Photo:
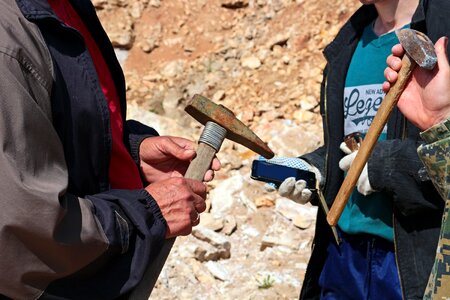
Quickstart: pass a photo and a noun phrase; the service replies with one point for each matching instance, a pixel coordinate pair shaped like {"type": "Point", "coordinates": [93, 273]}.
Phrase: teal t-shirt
{"type": "Point", "coordinates": [362, 97]}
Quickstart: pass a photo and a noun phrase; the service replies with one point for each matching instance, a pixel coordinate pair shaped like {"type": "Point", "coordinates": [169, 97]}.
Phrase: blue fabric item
{"type": "Point", "coordinates": [362, 267]}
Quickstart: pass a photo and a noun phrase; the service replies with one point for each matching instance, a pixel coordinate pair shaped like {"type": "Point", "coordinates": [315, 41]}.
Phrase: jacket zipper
{"type": "Point", "coordinates": [325, 111]}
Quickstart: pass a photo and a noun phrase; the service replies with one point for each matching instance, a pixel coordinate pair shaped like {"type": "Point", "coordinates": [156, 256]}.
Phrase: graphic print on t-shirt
{"type": "Point", "coordinates": [361, 103]}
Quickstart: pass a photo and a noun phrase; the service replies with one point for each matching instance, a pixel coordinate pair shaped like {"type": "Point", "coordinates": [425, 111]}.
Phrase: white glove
{"type": "Point", "coordinates": [363, 184]}
{"type": "Point", "coordinates": [290, 188]}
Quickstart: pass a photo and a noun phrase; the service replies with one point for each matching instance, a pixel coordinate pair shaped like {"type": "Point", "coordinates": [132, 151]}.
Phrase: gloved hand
{"type": "Point", "coordinates": [363, 185]}
{"type": "Point", "coordinates": [290, 188]}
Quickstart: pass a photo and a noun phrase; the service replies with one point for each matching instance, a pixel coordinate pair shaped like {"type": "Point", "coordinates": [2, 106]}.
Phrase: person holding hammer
{"type": "Point", "coordinates": [426, 103]}
{"type": "Point", "coordinates": [390, 226]}
{"type": "Point", "coordinates": [87, 198]}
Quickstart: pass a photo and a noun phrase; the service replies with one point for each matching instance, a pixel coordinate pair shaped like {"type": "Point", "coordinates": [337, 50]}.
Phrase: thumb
{"type": "Point", "coordinates": [176, 150]}
{"type": "Point", "coordinates": [346, 161]}
{"type": "Point", "coordinates": [441, 53]}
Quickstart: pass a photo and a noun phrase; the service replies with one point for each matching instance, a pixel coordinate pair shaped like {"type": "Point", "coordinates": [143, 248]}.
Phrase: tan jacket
{"type": "Point", "coordinates": [45, 234]}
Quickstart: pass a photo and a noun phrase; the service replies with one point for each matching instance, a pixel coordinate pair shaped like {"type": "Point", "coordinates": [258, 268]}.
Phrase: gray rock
{"type": "Point", "coordinates": [207, 235]}
{"type": "Point", "coordinates": [203, 251]}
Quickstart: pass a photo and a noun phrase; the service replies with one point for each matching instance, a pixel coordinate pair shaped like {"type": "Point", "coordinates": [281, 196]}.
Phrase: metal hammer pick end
{"type": "Point", "coordinates": [204, 110]}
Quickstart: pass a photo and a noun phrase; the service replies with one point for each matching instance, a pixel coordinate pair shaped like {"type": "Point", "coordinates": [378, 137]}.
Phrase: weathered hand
{"type": "Point", "coordinates": [181, 201]}
{"type": "Point", "coordinates": [426, 98]}
{"type": "Point", "coordinates": [163, 157]}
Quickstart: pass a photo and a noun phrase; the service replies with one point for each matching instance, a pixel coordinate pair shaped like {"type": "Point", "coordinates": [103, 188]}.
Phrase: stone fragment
{"type": "Point", "coordinates": [251, 62]}
{"type": "Point", "coordinates": [302, 222]}
{"type": "Point", "coordinates": [230, 225]}
{"type": "Point", "coordinates": [119, 32]}
{"type": "Point", "coordinates": [219, 95]}
{"type": "Point", "coordinates": [202, 274]}
{"type": "Point", "coordinates": [206, 252]}
{"type": "Point", "coordinates": [173, 68]}
{"type": "Point", "coordinates": [155, 3]}
{"type": "Point", "coordinates": [292, 211]}
{"type": "Point", "coordinates": [218, 270]}
{"type": "Point", "coordinates": [207, 235]}
{"type": "Point", "coordinates": [222, 197]}
{"type": "Point", "coordinates": [264, 201]}
{"type": "Point", "coordinates": [234, 4]}
{"type": "Point", "coordinates": [211, 222]}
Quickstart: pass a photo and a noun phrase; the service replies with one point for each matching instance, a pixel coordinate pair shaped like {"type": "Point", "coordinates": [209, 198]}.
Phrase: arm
{"type": "Point", "coordinates": [395, 168]}
{"type": "Point", "coordinates": [55, 233]}
{"type": "Point", "coordinates": [426, 103]}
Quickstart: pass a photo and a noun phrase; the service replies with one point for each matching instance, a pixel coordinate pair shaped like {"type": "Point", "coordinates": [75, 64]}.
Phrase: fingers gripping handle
{"type": "Point", "coordinates": [378, 123]}
{"type": "Point", "coordinates": [209, 143]}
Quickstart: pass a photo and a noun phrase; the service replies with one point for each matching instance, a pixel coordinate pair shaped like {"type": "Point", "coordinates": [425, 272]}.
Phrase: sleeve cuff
{"type": "Point", "coordinates": [437, 132]}
{"type": "Point", "coordinates": [135, 144]}
{"type": "Point", "coordinates": [137, 132]}
{"type": "Point", "coordinates": [152, 205]}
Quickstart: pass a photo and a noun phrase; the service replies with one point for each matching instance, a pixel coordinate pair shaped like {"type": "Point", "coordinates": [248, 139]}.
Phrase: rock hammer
{"type": "Point", "coordinates": [220, 123]}
{"type": "Point", "coordinates": [419, 52]}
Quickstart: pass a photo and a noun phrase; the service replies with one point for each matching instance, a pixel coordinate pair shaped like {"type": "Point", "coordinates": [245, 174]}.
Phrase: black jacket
{"type": "Point", "coordinates": [394, 166]}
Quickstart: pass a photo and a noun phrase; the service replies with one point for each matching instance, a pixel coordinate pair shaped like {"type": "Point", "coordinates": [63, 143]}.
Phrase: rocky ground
{"type": "Point", "coordinates": [263, 60]}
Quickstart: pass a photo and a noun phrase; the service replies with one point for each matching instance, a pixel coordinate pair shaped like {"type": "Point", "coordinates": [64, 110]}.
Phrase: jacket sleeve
{"type": "Point", "coordinates": [137, 132]}
{"type": "Point", "coordinates": [394, 167]}
{"type": "Point", "coordinates": [46, 233]}
{"type": "Point", "coordinates": [317, 159]}
{"type": "Point", "coordinates": [435, 154]}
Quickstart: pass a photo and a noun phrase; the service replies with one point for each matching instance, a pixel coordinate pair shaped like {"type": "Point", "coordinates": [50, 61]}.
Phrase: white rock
{"type": "Point", "coordinates": [211, 222]}
{"type": "Point", "coordinates": [218, 270]}
{"type": "Point", "coordinates": [251, 62]}
{"type": "Point", "coordinates": [219, 95]}
{"type": "Point", "coordinates": [222, 197]}
{"type": "Point", "coordinates": [250, 230]}
{"type": "Point", "coordinates": [173, 68]}
{"type": "Point", "coordinates": [291, 209]}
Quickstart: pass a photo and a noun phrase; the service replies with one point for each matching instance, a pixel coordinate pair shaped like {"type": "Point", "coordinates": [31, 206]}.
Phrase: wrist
{"type": "Point", "coordinates": [440, 119]}
{"type": "Point", "coordinates": [436, 132]}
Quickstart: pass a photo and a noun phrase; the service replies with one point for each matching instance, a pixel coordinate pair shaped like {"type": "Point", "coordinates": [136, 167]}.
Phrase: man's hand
{"type": "Point", "coordinates": [181, 201]}
{"type": "Point", "coordinates": [164, 157]}
{"type": "Point", "coordinates": [426, 98]}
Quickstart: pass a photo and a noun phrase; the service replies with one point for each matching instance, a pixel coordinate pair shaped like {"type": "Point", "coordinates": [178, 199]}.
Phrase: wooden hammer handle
{"type": "Point", "coordinates": [201, 163]}
{"type": "Point", "coordinates": [378, 123]}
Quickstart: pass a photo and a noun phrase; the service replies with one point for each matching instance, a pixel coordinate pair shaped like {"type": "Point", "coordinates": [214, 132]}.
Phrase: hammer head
{"type": "Point", "coordinates": [204, 110]}
{"type": "Point", "coordinates": [418, 46]}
